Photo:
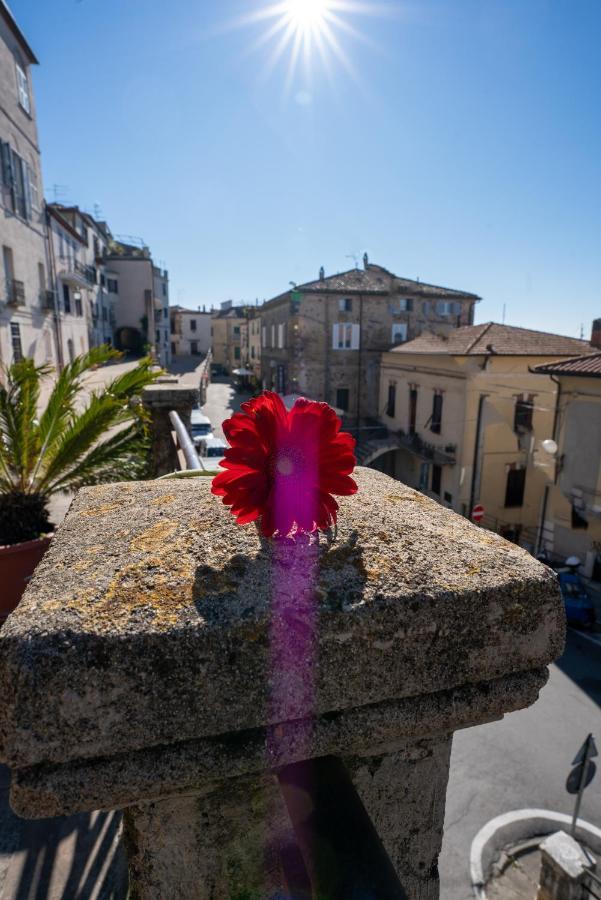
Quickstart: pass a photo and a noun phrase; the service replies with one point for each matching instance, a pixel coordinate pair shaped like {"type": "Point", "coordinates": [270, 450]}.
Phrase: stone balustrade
{"type": "Point", "coordinates": [160, 399]}
{"type": "Point", "coordinates": [165, 662]}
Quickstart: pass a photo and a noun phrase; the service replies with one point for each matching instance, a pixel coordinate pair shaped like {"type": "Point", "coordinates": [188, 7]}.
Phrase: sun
{"type": "Point", "coordinates": [301, 34]}
{"type": "Point", "coordinates": [307, 15]}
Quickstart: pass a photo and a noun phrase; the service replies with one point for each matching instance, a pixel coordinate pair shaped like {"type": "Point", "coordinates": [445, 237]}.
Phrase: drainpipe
{"type": "Point", "coordinates": [359, 364]}
{"type": "Point", "coordinates": [543, 512]}
{"type": "Point", "coordinates": [54, 282]}
{"type": "Point", "coordinates": [475, 462]}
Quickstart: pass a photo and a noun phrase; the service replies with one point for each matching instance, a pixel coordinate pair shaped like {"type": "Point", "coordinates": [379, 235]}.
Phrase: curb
{"type": "Point", "coordinates": [514, 827]}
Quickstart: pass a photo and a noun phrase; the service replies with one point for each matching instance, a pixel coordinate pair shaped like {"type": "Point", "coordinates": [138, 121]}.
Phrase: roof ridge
{"type": "Point", "coordinates": [480, 336]}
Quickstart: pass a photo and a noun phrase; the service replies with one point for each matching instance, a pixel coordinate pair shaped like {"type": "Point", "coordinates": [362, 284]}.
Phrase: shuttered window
{"type": "Point", "coordinates": [345, 336]}
{"type": "Point", "coordinates": [23, 88]}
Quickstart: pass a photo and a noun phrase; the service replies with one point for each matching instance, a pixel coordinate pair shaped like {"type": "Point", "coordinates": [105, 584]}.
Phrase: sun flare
{"type": "Point", "coordinates": [303, 34]}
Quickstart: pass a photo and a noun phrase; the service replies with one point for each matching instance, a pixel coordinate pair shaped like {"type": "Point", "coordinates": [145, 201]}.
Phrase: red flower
{"type": "Point", "coordinates": [283, 467]}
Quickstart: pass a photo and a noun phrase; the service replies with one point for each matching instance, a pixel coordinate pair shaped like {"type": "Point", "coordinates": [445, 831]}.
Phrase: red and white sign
{"type": "Point", "coordinates": [477, 513]}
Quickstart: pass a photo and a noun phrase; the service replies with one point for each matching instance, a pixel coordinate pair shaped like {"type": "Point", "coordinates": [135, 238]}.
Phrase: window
{"type": "Point", "coordinates": [78, 307]}
{"type": "Point", "coordinates": [264, 336]}
{"type": "Point", "coordinates": [41, 277]}
{"type": "Point", "coordinates": [34, 196]}
{"type": "Point", "coordinates": [66, 298]}
{"type": "Point", "coordinates": [112, 285]}
{"type": "Point", "coordinates": [514, 491]}
{"type": "Point", "coordinates": [236, 329]}
{"type": "Point", "coordinates": [522, 419]}
{"type": "Point", "coordinates": [20, 185]}
{"type": "Point", "coordinates": [252, 352]}
{"type": "Point", "coordinates": [391, 400]}
{"type": "Point", "coordinates": [164, 286]}
{"type": "Point", "coordinates": [399, 332]}
{"type": "Point", "coordinates": [192, 324]}
{"type": "Point", "coordinates": [412, 409]}
{"type": "Point", "coordinates": [272, 336]}
{"type": "Point", "coordinates": [342, 399]}
{"type": "Point", "coordinates": [236, 352]}
{"type": "Point", "coordinates": [578, 521]}
{"type": "Point", "coordinates": [23, 88]}
{"type": "Point", "coordinates": [345, 336]}
{"type": "Point", "coordinates": [345, 305]}
{"type": "Point", "coordinates": [103, 280]}
{"type": "Point", "coordinates": [15, 338]}
{"type": "Point", "coordinates": [448, 498]}
{"type": "Point", "coordinates": [448, 308]}
{"type": "Point", "coordinates": [104, 314]}
{"type": "Point", "coordinates": [9, 271]}
{"type": "Point", "coordinates": [165, 312]}
{"type": "Point", "coordinates": [281, 334]}
{"type": "Point", "coordinates": [436, 480]}
{"type": "Point", "coordinates": [157, 336]}
{"type": "Point", "coordinates": [436, 419]}
{"type": "Point", "coordinates": [405, 304]}
{"type": "Point", "coordinates": [194, 348]}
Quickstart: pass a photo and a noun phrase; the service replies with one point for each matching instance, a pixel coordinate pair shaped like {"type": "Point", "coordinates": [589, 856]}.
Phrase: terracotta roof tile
{"type": "Point", "coordinates": [589, 365]}
{"type": "Point", "coordinates": [377, 279]}
{"type": "Point", "coordinates": [502, 340]}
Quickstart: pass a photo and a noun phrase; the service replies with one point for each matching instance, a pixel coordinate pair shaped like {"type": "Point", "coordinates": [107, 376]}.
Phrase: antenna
{"type": "Point", "coordinates": [503, 316]}
{"type": "Point", "coordinates": [582, 331]}
{"type": "Point", "coordinates": [59, 191]}
{"type": "Point", "coordinates": [354, 257]}
{"type": "Point", "coordinates": [97, 211]}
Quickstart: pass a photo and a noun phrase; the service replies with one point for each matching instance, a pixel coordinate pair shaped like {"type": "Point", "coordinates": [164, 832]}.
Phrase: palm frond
{"type": "Point", "coordinates": [122, 457]}
{"type": "Point", "coordinates": [19, 428]}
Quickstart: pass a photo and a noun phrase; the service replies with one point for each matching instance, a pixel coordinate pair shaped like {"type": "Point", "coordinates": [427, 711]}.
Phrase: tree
{"type": "Point", "coordinates": [74, 441]}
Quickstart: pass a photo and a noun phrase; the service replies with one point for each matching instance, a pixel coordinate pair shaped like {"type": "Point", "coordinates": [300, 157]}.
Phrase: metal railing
{"type": "Point", "coordinates": [184, 442]}
{"type": "Point", "coordinates": [47, 300]}
{"type": "Point", "coordinates": [88, 272]}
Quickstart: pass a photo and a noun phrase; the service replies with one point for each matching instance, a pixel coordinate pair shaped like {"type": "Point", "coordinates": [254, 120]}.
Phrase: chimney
{"type": "Point", "coordinates": [596, 334]}
{"type": "Point", "coordinates": [365, 260]}
{"type": "Point", "coordinates": [322, 273]}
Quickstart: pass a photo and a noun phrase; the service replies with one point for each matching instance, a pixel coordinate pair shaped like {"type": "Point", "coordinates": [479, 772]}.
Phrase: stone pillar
{"type": "Point", "coordinates": [159, 399]}
{"type": "Point", "coordinates": [564, 867]}
{"type": "Point", "coordinates": [164, 662]}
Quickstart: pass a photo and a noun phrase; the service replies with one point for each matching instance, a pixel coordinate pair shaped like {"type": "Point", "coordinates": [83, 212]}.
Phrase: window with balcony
{"type": "Point", "coordinates": [436, 418]}
{"type": "Point", "coordinates": [345, 336]}
{"type": "Point", "coordinates": [23, 88]}
{"type": "Point", "coordinates": [514, 489]}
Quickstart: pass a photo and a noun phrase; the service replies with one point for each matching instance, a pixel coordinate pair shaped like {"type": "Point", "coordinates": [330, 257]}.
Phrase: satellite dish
{"type": "Point", "coordinates": [549, 446]}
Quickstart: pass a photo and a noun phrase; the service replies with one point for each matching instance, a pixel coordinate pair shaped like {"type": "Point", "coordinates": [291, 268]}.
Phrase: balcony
{"type": "Point", "coordinates": [88, 272]}
{"type": "Point", "coordinates": [15, 292]}
{"type": "Point", "coordinates": [370, 447]}
{"type": "Point", "coordinates": [48, 300]}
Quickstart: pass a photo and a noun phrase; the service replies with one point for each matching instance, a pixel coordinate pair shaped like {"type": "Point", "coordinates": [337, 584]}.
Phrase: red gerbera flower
{"type": "Point", "coordinates": [283, 467]}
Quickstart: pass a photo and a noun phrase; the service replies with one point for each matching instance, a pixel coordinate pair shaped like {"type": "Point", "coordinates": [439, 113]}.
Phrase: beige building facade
{"type": "Point", "coordinates": [27, 325]}
{"type": "Point", "coordinates": [324, 339]}
{"type": "Point", "coordinates": [229, 336]}
{"type": "Point", "coordinates": [190, 331]}
{"type": "Point", "coordinates": [466, 418]}
{"type": "Point", "coordinates": [571, 516]}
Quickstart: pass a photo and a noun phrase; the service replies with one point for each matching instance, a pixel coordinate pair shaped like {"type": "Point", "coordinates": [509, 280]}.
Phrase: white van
{"type": "Point", "coordinates": [200, 427]}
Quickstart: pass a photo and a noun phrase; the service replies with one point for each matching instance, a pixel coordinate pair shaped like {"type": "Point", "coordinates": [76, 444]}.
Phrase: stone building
{"type": "Point", "coordinates": [190, 331]}
{"type": "Point", "coordinates": [27, 326]}
{"type": "Point", "coordinates": [466, 418]}
{"type": "Point", "coordinates": [254, 346]}
{"type": "Point", "coordinates": [141, 300]}
{"type": "Point", "coordinates": [229, 336]}
{"type": "Point", "coordinates": [570, 523]}
{"type": "Point", "coordinates": [84, 306]}
{"type": "Point", "coordinates": [324, 339]}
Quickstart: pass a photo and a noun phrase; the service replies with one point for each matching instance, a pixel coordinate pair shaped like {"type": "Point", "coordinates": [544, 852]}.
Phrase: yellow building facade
{"type": "Point", "coordinates": [467, 417]}
{"type": "Point", "coordinates": [571, 519]}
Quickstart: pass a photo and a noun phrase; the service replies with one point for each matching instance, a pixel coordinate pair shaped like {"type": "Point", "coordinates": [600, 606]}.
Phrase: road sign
{"type": "Point", "coordinates": [477, 513]}
{"type": "Point", "coordinates": [575, 779]}
{"type": "Point", "coordinates": [582, 775]}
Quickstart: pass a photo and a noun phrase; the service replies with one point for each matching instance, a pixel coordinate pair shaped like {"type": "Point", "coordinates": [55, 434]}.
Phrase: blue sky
{"type": "Point", "coordinates": [464, 147]}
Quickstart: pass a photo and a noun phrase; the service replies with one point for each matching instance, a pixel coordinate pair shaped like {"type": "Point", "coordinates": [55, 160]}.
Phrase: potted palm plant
{"type": "Point", "coordinates": [76, 439]}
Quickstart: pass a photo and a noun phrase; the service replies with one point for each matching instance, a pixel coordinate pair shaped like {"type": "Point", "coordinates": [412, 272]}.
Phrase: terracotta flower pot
{"type": "Point", "coordinates": [17, 563]}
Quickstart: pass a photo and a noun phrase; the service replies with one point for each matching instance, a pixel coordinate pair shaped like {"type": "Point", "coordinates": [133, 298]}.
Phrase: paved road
{"type": "Point", "coordinates": [222, 401]}
{"type": "Point", "coordinates": [523, 761]}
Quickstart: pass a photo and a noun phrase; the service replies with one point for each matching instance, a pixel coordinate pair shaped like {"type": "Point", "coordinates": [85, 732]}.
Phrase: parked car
{"type": "Point", "coordinates": [211, 451]}
{"type": "Point", "coordinates": [578, 605]}
{"type": "Point", "coordinates": [200, 427]}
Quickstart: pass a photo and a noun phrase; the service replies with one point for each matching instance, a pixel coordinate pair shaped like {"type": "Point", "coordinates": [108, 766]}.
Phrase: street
{"type": "Point", "coordinates": [222, 401]}
{"type": "Point", "coordinates": [523, 760]}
